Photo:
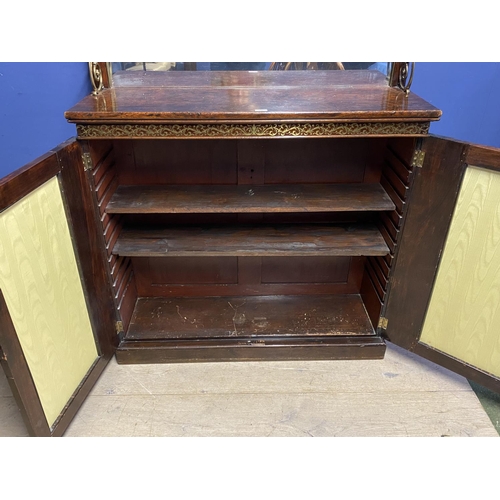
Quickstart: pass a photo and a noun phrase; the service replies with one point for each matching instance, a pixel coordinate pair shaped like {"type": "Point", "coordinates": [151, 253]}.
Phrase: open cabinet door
{"type": "Point", "coordinates": [444, 299]}
{"type": "Point", "coordinates": [57, 315]}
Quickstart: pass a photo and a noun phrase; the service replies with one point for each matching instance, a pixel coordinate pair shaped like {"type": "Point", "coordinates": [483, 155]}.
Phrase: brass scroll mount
{"type": "Point", "coordinates": [405, 77]}
{"type": "Point", "coordinates": [96, 77]}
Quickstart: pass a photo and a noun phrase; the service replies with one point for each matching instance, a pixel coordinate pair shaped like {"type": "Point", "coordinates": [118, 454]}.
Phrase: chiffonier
{"type": "Point", "coordinates": [260, 215]}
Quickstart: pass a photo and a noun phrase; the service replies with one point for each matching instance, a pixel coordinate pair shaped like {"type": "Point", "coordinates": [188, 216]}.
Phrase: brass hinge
{"type": "Point", "coordinates": [87, 161]}
{"type": "Point", "coordinates": [418, 158]}
{"type": "Point", "coordinates": [119, 327]}
{"type": "Point", "coordinates": [382, 323]}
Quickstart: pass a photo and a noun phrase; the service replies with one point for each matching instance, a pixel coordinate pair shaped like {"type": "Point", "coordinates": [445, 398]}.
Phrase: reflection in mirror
{"type": "Point", "coordinates": [383, 67]}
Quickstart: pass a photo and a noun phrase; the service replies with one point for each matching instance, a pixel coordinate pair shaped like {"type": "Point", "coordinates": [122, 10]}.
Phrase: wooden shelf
{"type": "Point", "coordinates": [276, 316]}
{"type": "Point", "coordinates": [252, 241]}
{"type": "Point", "coordinates": [249, 199]}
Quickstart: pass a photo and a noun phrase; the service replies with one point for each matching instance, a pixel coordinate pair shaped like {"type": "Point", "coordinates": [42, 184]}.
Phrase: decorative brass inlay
{"type": "Point", "coordinates": [252, 130]}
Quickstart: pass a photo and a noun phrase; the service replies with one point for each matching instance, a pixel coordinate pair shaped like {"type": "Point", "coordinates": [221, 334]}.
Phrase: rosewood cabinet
{"type": "Point", "coordinates": [231, 216]}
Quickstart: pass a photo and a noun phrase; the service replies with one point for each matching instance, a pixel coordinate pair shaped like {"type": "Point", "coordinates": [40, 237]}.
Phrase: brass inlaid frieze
{"type": "Point", "coordinates": [229, 130]}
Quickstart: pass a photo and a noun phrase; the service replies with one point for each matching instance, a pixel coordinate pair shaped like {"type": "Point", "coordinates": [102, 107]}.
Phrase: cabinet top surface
{"type": "Point", "coordinates": [251, 96]}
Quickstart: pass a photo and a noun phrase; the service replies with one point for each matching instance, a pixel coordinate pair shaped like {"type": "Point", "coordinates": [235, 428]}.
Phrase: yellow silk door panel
{"type": "Point", "coordinates": [463, 318]}
{"type": "Point", "coordinates": [41, 283]}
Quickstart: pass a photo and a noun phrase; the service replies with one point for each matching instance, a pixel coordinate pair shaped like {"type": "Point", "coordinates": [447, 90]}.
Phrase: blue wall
{"type": "Point", "coordinates": [34, 96]}
{"type": "Point", "coordinates": [33, 99]}
{"type": "Point", "coordinates": [468, 94]}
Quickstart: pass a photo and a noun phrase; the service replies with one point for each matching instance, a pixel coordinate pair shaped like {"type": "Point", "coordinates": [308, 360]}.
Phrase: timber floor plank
{"type": "Point", "coordinates": [304, 414]}
{"type": "Point", "coordinates": [401, 395]}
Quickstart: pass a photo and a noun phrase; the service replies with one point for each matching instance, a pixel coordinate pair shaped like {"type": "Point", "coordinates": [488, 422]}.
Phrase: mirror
{"type": "Point", "coordinates": [118, 67]}
{"type": "Point", "coordinates": [117, 74]}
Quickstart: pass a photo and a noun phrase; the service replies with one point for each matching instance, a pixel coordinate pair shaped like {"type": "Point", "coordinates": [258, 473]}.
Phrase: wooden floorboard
{"type": "Point", "coordinates": [401, 395]}
{"type": "Point", "coordinates": [398, 396]}
{"type": "Point", "coordinates": [235, 415]}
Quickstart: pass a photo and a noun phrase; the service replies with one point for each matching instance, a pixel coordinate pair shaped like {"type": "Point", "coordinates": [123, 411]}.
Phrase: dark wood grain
{"type": "Point", "coordinates": [257, 161]}
{"type": "Point", "coordinates": [379, 271]}
{"type": "Point", "coordinates": [317, 161]}
{"type": "Point", "coordinates": [341, 99]}
{"type": "Point", "coordinates": [192, 270]}
{"type": "Point", "coordinates": [106, 74]}
{"type": "Point", "coordinates": [396, 182]}
{"type": "Point", "coordinates": [389, 225]}
{"type": "Point", "coordinates": [245, 199]}
{"type": "Point", "coordinates": [394, 74]}
{"type": "Point", "coordinates": [471, 373]}
{"type": "Point", "coordinates": [251, 241]}
{"type": "Point", "coordinates": [402, 148]}
{"type": "Point", "coordinates": [127, 301]}
{"type": "Point", "coordinates": [211, 317]}
{"type": "Point", "coordinates": [371, 299]}
{"type": "Point", "coordinates": [384, 266]}
{"type": "Point", "coordinates": [300, 270]}
{"type": "Point", "coordinates": [483, 156]}
{"type": "Point", "coordinates": [99, 152]}
{"type": "Point", "coordinates": [24, 180]}
{"type": "Point", "coordinates": [103, 182]}
{"type": "Point", "coordinates": [252, 161]}
{"type": "Point", "coordinates": [102, 166]}
{"type": "Point", "coordinates": [297, 348]}
{"type": "Point", "coordinates": [150, 162]}
{"type": "Point", "coordinates": [397, 176]}
{"type": "Point", "coordinates": [227, 276]}
{"type": "Point", "coordinates": [389, 241]}
{"type": "Point", "coordinates": [90, 250]}
{"type": "Point", "coordinates": [122, 278]}
{"type": "Point", "coordinates": [393, 195]}
{"type": "Point", "coordinates": [433, 198]}
{"type": "Point", "coordinates": [102, 185]}
{"type": "Point", "coordinates": [376, 282]}
{"type": "Point", "coordinates": [228, 290]}
{"type": "Point", "coordinates": [377, 276]}
{"type": "Point", "coordinates": [397, 166]}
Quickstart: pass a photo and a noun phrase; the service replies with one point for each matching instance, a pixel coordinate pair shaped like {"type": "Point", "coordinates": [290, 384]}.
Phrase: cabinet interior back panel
{"type": "Point", "coordinates": [259, 161]}
{"type": "Point", "coordinates": [40, 280]}
{"type": "Point", "coordinates": [463, 318]}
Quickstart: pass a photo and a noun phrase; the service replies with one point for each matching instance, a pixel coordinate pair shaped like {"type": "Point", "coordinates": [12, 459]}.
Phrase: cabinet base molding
{"type": "Point", "coordinates": [310, 348]}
